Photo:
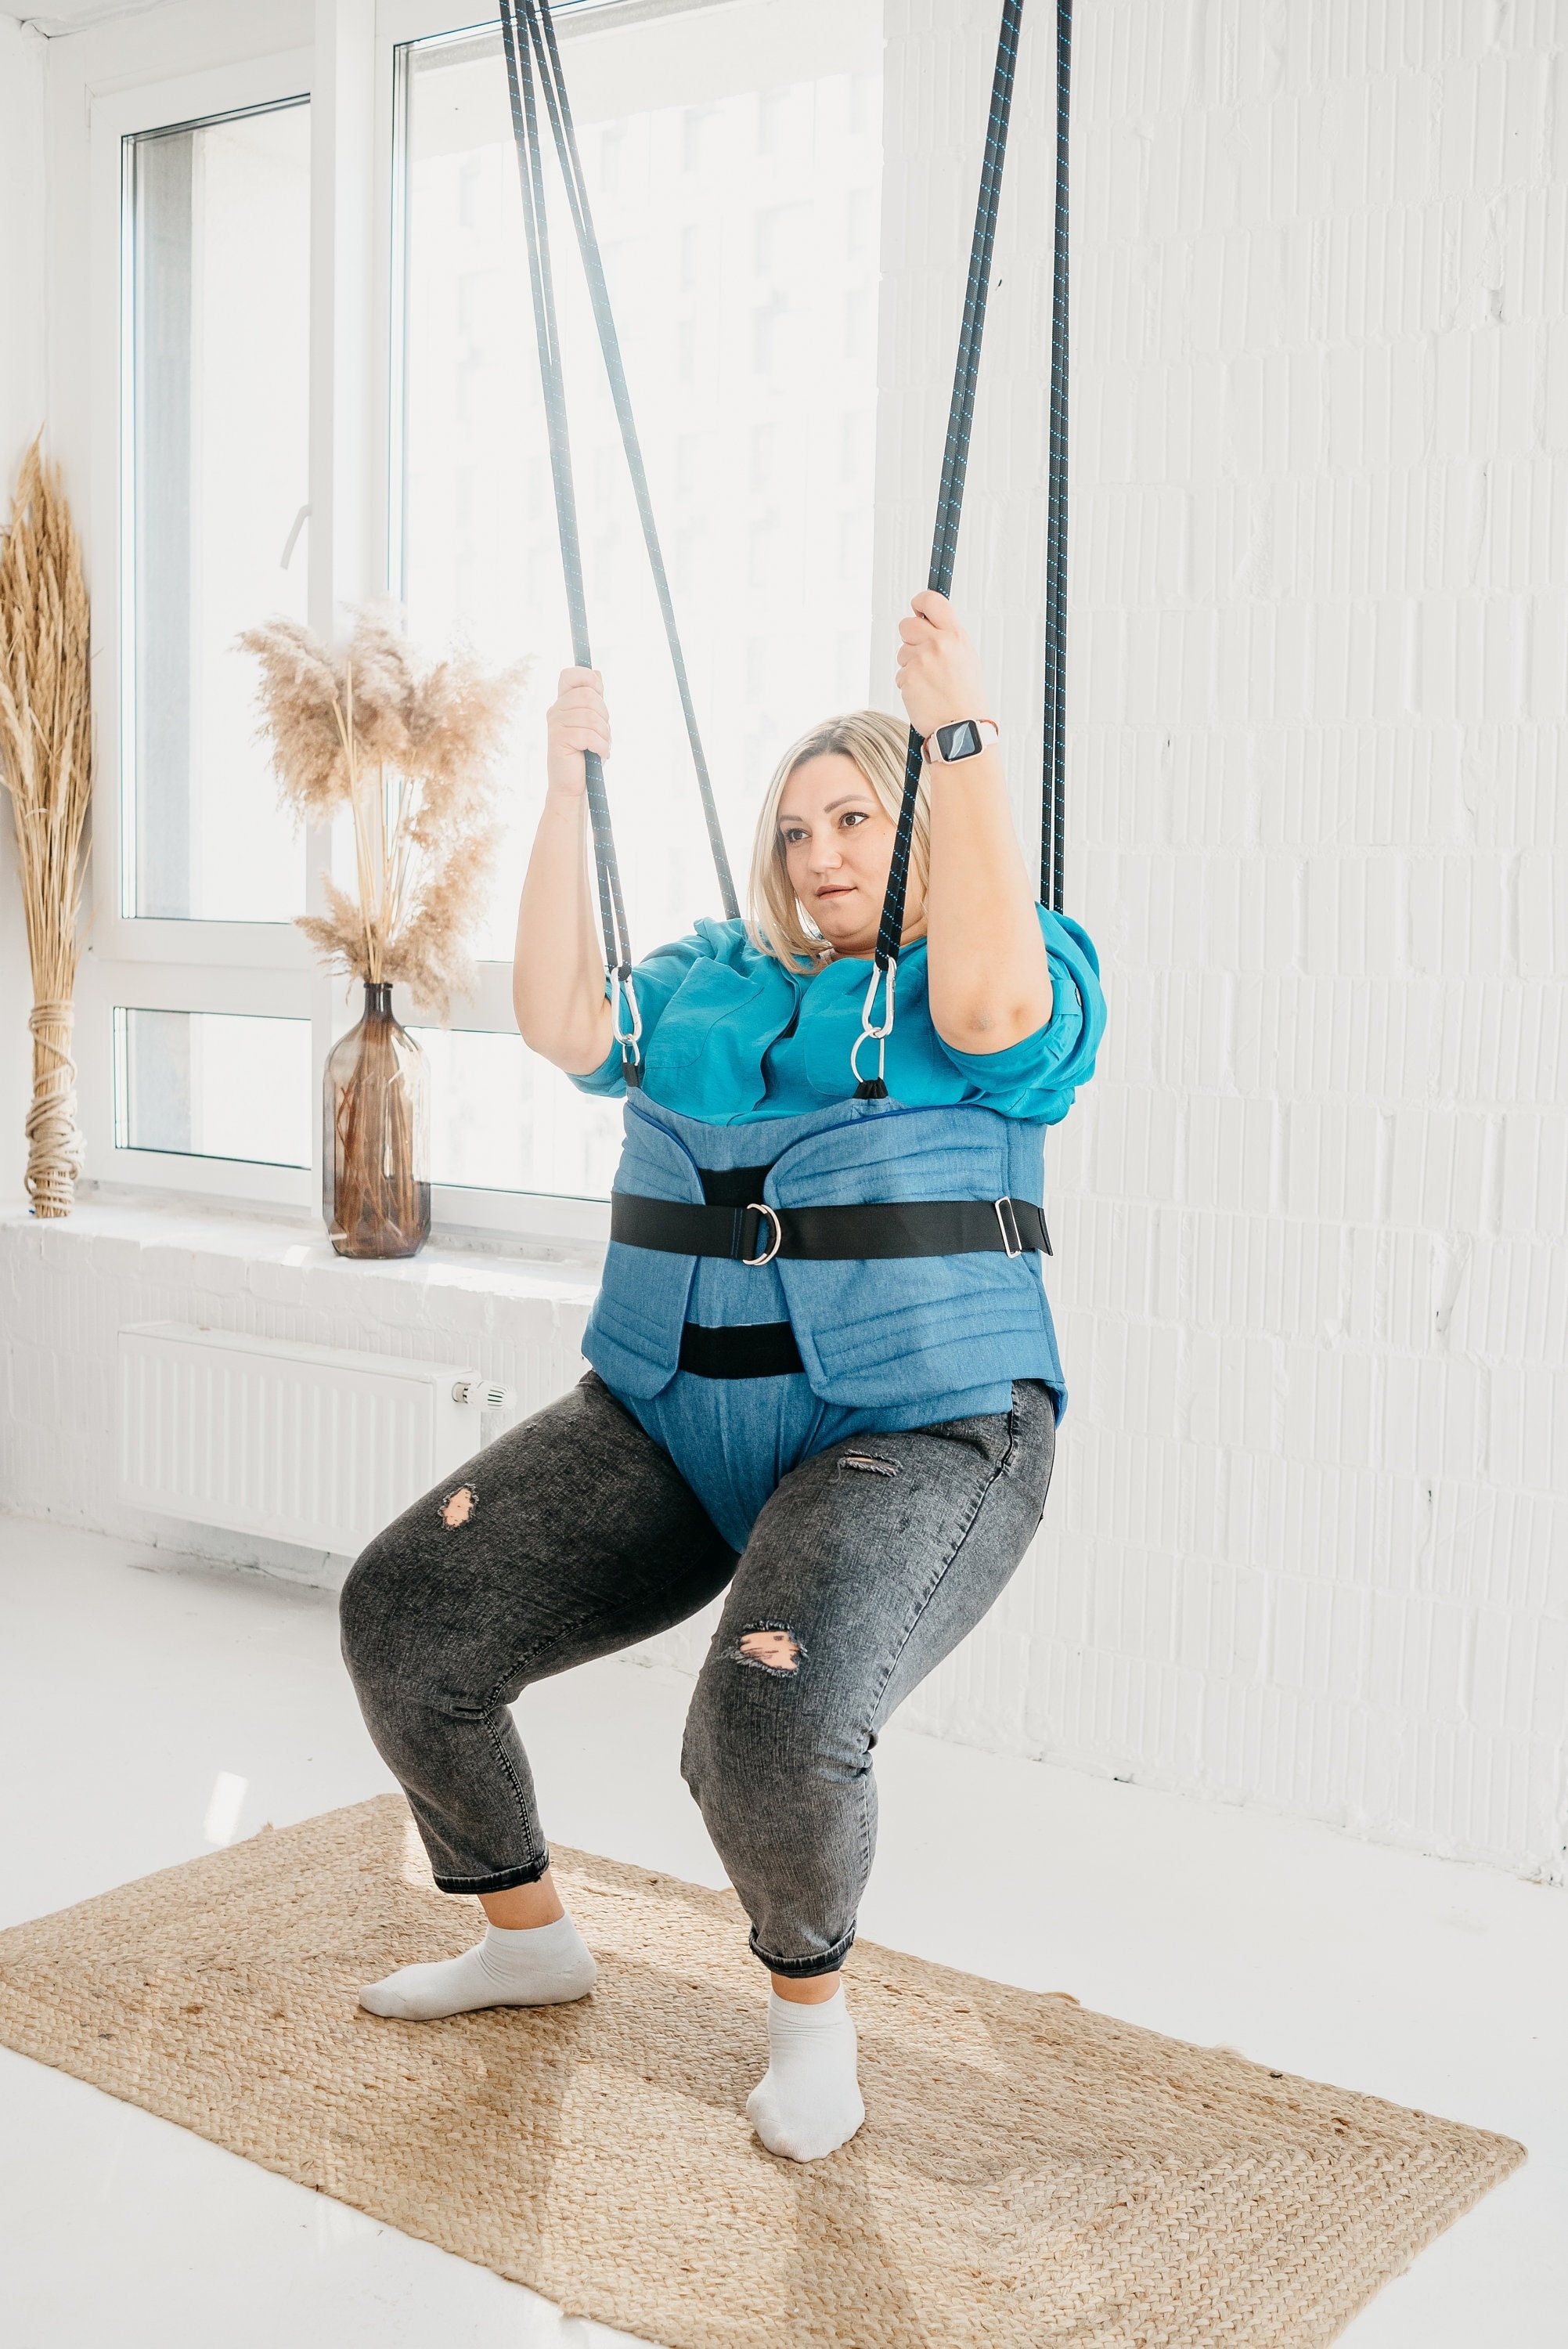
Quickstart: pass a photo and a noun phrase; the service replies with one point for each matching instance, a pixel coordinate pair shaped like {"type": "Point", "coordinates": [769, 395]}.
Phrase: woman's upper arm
{"type": "Point", "coordinates": [1037, 1077]}
{"type": "Point", "coordinates": [655, 980]}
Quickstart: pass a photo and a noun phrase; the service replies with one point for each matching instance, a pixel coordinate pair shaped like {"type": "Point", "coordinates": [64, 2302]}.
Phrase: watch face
{"type": "Point", "coordinates": [959, 741]}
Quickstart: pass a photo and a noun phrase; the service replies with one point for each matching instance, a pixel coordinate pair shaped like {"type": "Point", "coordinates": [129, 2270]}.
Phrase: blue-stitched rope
{"type": "Point", "coordinates": [1053, 780]}
{"type": "Point", "coordinates": [950, 496]}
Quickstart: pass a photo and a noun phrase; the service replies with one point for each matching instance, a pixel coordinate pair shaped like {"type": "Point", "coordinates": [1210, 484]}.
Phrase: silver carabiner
{"type": "Point", "coordinates": [870, 1032]}
{"type": "Point", "coordinates": [632, 1036]}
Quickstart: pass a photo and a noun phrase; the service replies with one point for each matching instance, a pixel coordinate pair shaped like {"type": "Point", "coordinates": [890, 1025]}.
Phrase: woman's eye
{"type": "Point", "coordinates": [853, 815]}
{"type": "Point", "coordinates": [792, 837]}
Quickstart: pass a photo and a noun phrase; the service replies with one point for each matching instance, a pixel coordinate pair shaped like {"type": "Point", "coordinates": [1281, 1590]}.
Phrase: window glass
{"type": "Point", "coordinates": [218, 283]}
{"type": "Point", "coordinates": [208, 1084]}
{"type": "Point", "coordinates": [734, 166]}
{"type": "Point", "coordinates": [503, 1120]}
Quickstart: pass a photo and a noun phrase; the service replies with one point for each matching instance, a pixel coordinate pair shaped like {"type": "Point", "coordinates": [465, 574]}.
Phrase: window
{"type": "Point", "coordinates": [733, 155]}
{"type": "Point", "coordinates": [205, 1084]}
{"type": "Point", "coordinates": [217, 392]}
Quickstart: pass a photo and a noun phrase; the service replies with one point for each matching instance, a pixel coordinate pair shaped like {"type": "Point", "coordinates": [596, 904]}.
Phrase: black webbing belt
{"type": "Point", "coordinates": [752, 1350]}
{"type": "Point", "coordinates": [756, 1234]}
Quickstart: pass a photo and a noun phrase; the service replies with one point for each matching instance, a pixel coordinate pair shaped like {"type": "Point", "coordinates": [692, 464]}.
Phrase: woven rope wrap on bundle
{"type": "Point", "coordinates": [53, 1137]}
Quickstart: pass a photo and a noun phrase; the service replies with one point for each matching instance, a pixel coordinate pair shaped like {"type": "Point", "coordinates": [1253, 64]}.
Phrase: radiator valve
{"type": "Point", "coordinates": [482, 1396]}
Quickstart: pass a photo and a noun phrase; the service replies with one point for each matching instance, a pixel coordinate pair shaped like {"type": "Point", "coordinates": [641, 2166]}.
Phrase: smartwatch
{"type": "Point", "coordinates": [965, 738]}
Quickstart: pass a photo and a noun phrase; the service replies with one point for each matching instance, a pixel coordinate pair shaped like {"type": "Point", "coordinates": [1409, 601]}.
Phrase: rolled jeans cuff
{"type": "Point", "coordinates": [802, 1969]}
{"type": "Point", "coordinates": [505, 1879]}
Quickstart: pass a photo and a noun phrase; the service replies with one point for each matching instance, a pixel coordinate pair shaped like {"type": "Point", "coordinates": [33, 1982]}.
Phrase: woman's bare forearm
{"type": "Point", "coordinates": [989, 982]}
{"type": "Point", "coordinates": [557, 976]}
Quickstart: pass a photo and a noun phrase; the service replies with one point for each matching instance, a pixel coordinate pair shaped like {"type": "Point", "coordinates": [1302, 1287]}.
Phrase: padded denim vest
{"type": "Point", "coordinates": [881, 1333]}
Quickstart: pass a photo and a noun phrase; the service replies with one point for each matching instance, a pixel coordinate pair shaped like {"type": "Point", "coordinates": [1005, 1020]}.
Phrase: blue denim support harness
{"type": "Point", "coordinates": [886, 1328]}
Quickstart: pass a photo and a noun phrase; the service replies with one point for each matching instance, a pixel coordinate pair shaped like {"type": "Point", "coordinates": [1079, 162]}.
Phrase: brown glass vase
{"type": "Point", "coordinates": [376, 1156]}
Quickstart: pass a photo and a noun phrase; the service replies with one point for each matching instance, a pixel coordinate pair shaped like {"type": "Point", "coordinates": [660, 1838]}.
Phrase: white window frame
{"type": "Point", "coordinates": [148, 964]}
{"type": "Point", "coordinates": [145, 964]}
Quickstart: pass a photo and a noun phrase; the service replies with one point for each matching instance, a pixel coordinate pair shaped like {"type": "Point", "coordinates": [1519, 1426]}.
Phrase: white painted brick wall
{"type": "Point", "coordinates": [66, 1289]}
{"type": "Point", "coordinates": [1309, 1541]}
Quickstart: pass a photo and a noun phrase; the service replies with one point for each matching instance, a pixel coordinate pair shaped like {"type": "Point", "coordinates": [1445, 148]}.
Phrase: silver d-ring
{"type": "Point", "coordinates": [760, 1207]}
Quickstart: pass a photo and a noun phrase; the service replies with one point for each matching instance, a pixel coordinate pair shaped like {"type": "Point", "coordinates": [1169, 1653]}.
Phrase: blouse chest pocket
{"type": "Point", "coordinates": [709, 994]}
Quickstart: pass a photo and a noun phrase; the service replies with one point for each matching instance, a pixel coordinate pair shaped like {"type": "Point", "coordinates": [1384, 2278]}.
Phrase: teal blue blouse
{"type": "Point", "coordinates": [730, 1035]}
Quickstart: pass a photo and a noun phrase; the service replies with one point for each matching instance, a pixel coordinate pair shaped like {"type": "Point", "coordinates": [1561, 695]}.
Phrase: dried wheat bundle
{"type": "Point", "coordinates": [408, 751]}
{"type": "Point", "coordinates": [45, 763]}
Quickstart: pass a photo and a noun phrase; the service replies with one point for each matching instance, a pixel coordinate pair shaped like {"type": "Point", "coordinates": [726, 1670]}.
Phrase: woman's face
{"type": "Point", "coordinates": [838, 846]}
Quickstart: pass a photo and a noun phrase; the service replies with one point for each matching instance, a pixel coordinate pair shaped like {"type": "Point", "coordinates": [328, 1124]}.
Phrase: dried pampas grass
{"type": "Point", "coordinates": [45, 763]}
{"type": "Point", "coordinates": [408, 751]}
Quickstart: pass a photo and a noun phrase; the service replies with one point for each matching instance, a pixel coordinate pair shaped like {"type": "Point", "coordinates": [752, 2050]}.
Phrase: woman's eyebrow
{"type": "Point", "coordinates": [844, 800]}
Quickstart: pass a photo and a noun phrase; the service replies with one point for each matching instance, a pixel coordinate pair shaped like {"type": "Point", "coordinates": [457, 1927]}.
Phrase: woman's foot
{"type": "Point", "coordinates": [808, 2103]}
{"type": "Point", "coordinates": [537, 1965]}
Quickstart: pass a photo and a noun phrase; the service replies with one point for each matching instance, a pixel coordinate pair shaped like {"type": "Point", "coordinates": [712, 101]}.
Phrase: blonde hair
{"type": "Point", "coordinates": [878, 745]}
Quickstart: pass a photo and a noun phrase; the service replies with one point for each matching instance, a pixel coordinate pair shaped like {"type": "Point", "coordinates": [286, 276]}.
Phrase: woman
{"type": "Point", "coordinates": [853, 1432]}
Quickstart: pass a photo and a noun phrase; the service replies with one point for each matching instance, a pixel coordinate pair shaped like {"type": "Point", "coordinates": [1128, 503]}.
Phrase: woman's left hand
{"type": "Point", "coordinates": [939, 675]}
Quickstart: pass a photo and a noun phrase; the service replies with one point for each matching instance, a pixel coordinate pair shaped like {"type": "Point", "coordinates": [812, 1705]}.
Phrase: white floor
{"type": "Point", "coordinates": [129, 1682]}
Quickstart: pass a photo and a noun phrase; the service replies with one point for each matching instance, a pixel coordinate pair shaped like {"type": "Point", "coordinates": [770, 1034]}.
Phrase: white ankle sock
{"type": "Point", "coordinates": [809, 2101]}
{"type": "Point", "coordinates": [529, 1965]}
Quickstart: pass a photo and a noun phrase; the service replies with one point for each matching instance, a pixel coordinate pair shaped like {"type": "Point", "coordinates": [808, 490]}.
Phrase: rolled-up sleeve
{"type": "Point", "coordinates": [1037, 1077]}
{"type": "Point", "coordinates": [656, 978]}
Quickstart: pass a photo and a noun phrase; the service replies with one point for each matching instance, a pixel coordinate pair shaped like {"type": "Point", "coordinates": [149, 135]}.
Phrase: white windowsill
{"type": "Point", "coordinates": [497, 1265]}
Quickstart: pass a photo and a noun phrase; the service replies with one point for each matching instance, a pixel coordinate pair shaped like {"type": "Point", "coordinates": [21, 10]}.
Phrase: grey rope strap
{"type": "Point", "coordinates": [558, 106]}
{"type": "Point", "coordinates": [1053, 781]}
{"type": "Point", "coordinates": [531, 174]}
{"type": "Point", "coordinates": [944, 537]}
{"type": "Point", "coordinates": [533, 63]}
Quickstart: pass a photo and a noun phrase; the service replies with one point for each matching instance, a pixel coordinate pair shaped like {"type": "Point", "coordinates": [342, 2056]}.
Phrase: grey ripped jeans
{"type": "Point", "coordinates": [574, 1535]}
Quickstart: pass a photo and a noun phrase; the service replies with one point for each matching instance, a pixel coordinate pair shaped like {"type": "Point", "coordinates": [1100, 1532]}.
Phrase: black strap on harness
{"type": "Point", "coordinates": [533, 63]}
{"type": "Point", "coordinates": [750, 1350]}
{"type": "Point", "coordinates": [757, 1233]}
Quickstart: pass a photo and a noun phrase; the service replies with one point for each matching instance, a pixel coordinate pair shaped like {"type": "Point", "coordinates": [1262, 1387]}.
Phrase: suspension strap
{"type": "Point", "coordinates": [525, 132]}
{"type": "Point", "coordinates": [1053, 780]}
{"type": "Point", "coordinates": [540, 26]}
{"type": "Point", "coordinates": [945, 538]}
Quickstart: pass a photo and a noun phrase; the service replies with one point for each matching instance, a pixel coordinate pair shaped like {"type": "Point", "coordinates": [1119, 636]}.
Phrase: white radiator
{"type": "Point", "coordinates": [304, 1443]}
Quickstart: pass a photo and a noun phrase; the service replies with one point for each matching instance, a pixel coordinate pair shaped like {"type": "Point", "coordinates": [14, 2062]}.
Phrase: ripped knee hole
{"type": "Point", "coordinates": [869, 1463]}
{"type": "Point", "coordinates": [770, 1647]}
{"type": "Point", "coordinates": [459, 1506]}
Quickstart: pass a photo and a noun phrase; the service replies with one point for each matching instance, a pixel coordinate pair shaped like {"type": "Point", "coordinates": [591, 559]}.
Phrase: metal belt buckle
{"type": "Point", "coordinates": [760, 1207]}
{"type": "Point", "coordinates": [1014, 1244]}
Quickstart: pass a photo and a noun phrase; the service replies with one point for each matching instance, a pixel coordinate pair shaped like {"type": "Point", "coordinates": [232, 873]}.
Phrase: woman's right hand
{"type": "Point", "coordinates": [576, 721]}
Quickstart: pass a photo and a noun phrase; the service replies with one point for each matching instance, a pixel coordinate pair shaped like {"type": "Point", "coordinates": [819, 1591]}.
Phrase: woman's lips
{"type": "Point", "coordinates": [839, 889]}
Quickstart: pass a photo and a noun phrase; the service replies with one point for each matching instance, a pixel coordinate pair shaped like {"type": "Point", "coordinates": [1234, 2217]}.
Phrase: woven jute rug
{"type": "Point", "coordinates": [1029, 2173]}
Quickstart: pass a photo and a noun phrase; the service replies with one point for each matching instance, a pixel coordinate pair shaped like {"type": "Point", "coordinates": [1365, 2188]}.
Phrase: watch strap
{"type": "Point", "coordinates": [966, 738]}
